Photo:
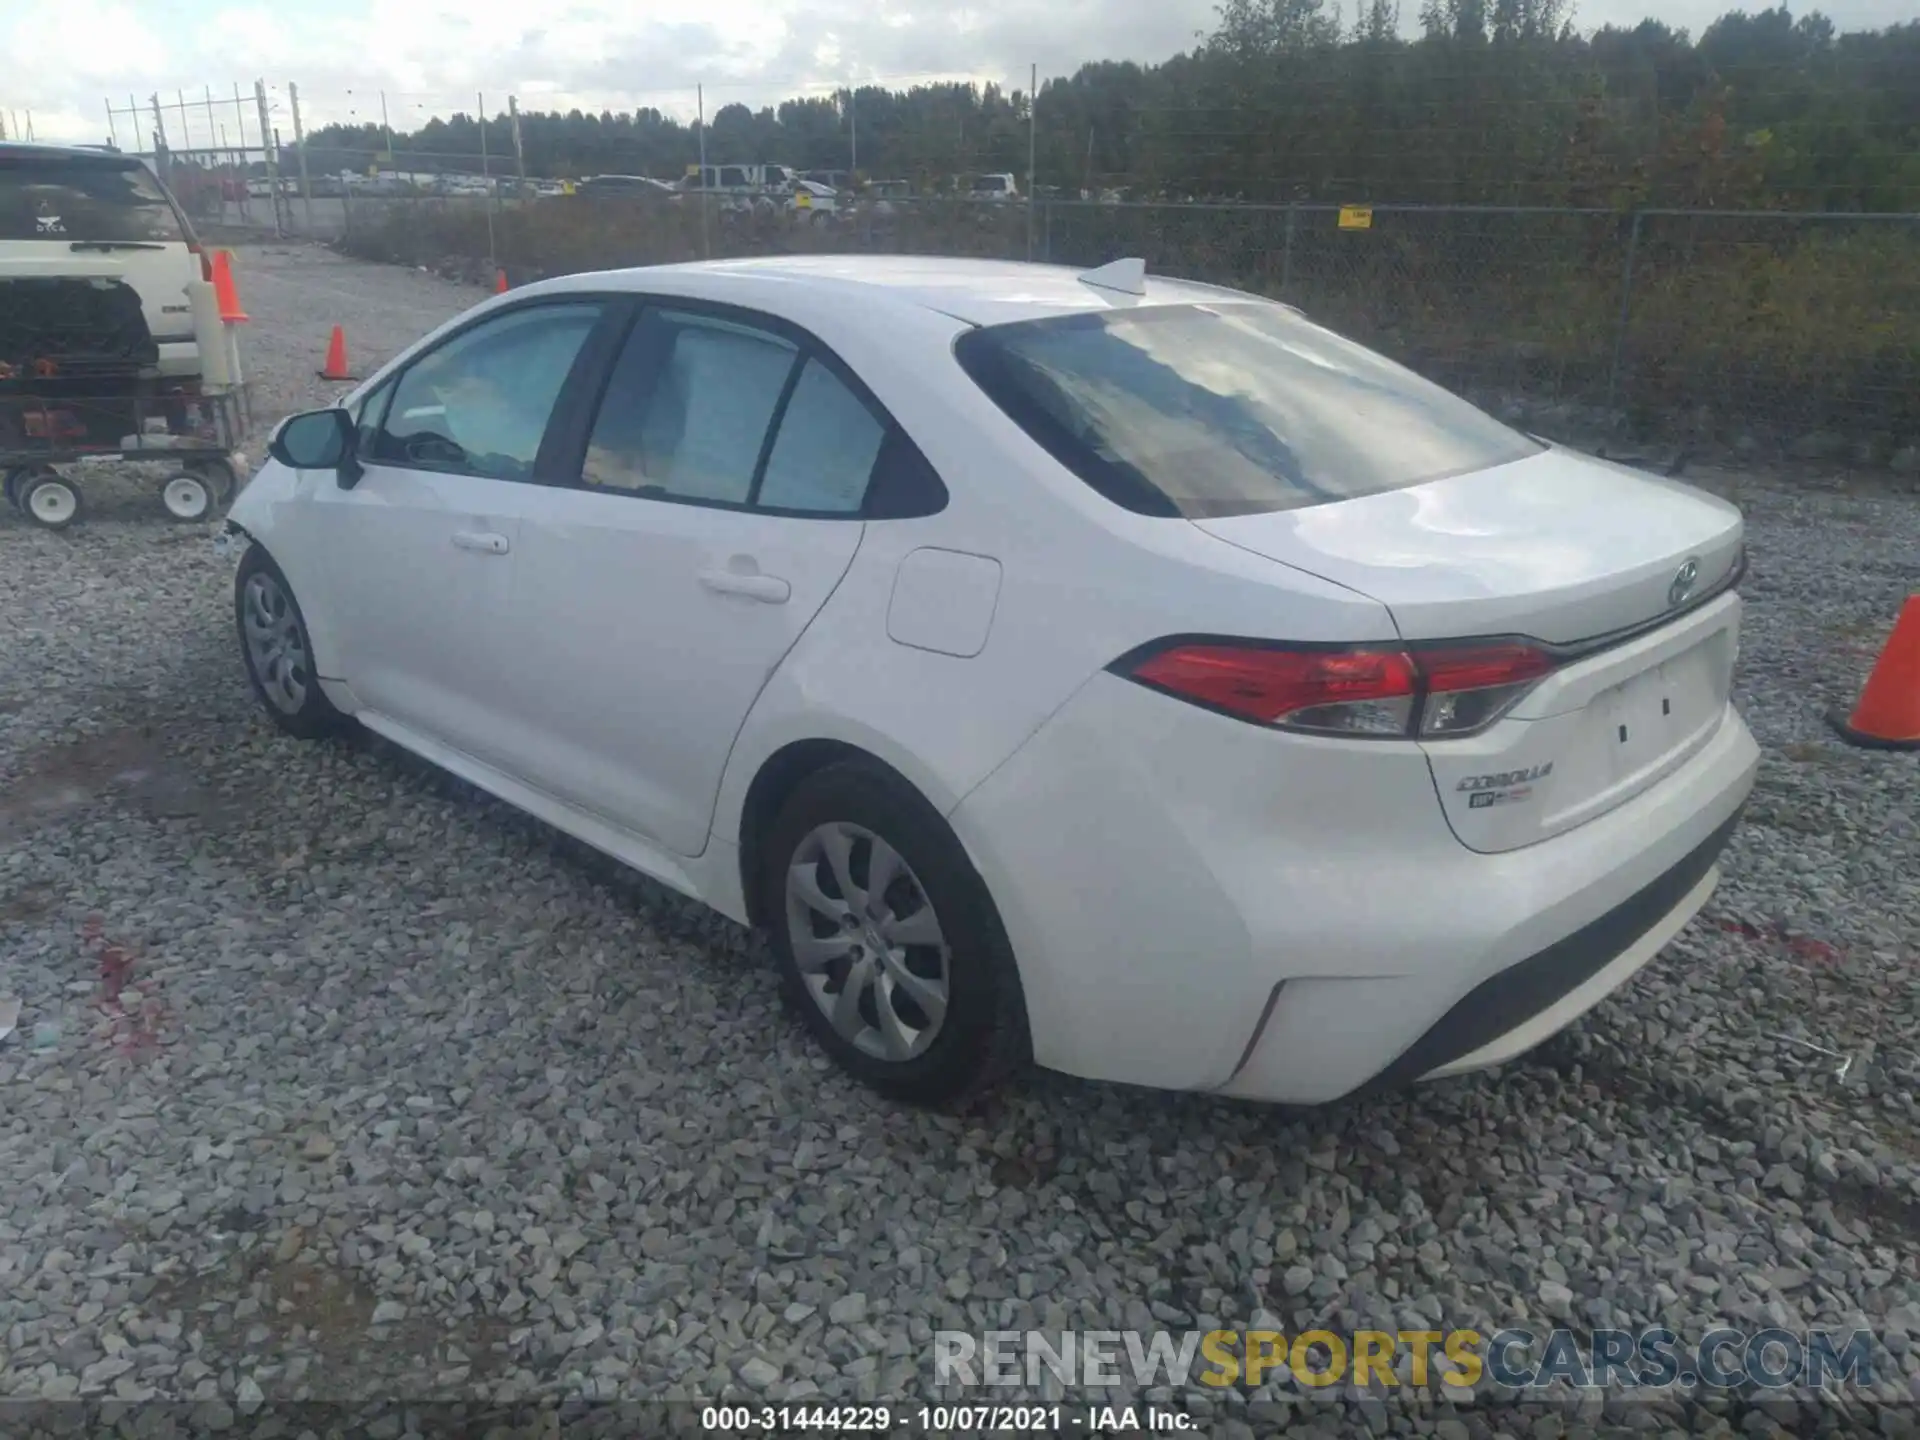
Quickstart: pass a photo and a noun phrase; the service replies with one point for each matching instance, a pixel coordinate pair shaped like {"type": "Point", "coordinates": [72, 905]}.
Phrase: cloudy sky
{"type": "Point", "coordinates": [432, 56]}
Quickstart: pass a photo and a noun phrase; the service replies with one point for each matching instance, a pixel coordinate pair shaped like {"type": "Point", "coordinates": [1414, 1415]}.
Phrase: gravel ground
{"type": "Point", "coordinates": [337, 1080]}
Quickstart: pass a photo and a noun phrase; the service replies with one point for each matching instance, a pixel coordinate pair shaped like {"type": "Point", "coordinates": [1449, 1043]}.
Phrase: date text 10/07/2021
{"type": "Point", "coordinates": [942, 1419]}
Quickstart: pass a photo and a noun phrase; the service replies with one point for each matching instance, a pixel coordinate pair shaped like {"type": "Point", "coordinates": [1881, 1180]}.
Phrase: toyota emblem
{"type": "Point", "coordinates": [1682, 584]}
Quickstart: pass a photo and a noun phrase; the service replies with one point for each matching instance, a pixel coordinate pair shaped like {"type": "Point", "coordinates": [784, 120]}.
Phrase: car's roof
{"type": "Point", "coordinates": [980, 292]}
{"type": "Point", "coordinates": [88, 154]}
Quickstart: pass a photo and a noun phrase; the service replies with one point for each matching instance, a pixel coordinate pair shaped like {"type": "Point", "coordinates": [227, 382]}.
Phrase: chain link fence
{"type": "Point", "coordinates": [1743, 332]}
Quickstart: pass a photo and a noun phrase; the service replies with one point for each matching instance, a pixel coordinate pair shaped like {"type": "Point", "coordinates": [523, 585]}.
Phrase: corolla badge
{"type": "Point", "coordinates": [1681, 586]}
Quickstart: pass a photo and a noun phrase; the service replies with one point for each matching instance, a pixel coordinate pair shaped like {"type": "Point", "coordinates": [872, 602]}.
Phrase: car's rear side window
{"type": "Point", "coordinates": [43, 199]}
{"type": "Point", "coordinates": [721, 406]}
{"type": "Point", "coordinates": [688, 408]}
{"type": "Point", "coordinates": [1227, 409]}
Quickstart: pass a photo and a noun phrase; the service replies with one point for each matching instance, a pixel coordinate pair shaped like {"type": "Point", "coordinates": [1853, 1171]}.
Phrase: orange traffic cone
{"type": "Point", "coordinates": [1888, 715]}
{"type": "Point", "coordinates": [499, 282]}
{"type": "Point", "coordinates": [223, 292]}
{"type": "Point", "coordinates": [336, 367]}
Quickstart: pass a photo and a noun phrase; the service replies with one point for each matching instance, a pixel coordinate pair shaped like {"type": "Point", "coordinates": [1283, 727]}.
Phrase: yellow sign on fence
{"type": "Point", "coordinates": [1356, 217]}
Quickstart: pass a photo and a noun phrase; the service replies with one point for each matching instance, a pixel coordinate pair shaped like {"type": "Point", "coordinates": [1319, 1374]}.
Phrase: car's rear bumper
{"type": "Point", "coordinates": [1509, 1013]}
{"type": "Point", "coordinates": [1197, 903]}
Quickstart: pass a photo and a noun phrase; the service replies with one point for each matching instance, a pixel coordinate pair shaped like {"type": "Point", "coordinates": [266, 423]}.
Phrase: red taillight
{"type": "Point", "coordinates": [1467, 687]}
{"type": "Point", "coordinates": [1430, 690]}
{"type": "Point", "coordinates": [1477, 667]}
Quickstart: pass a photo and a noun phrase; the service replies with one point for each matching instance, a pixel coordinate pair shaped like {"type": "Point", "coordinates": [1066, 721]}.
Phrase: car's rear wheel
{"type": "Point", "coordinates": [277, 650]}
{"type": "Point", "coordinates": [889, 946]}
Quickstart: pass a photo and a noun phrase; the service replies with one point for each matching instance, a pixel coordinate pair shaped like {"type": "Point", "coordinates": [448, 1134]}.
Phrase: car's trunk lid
{"type": "Point", "coordinates": [1615, 570]}
{"type": "Point", "coordinates": [1558, 546]}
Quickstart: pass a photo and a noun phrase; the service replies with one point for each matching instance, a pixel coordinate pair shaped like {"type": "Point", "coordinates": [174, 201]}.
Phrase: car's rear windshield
{"type": "Point", "coordinates": [42, 199]}
{"type": "Point", "coordinates": [1229, 409]}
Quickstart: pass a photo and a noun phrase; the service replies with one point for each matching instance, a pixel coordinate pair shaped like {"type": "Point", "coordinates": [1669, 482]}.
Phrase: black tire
{"type": "Point", "coordinates": [48, 499]}
{"type": "Point", "coordinates": [10, 485]}
{"type": "Point", "coordinates": [311, 716]}
{"type": "Point", "coordinates": [982, 1035]}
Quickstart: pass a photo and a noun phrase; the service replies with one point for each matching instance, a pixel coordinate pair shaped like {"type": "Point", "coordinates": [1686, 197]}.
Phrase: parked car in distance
{"type": "Point", "coordinates": [811, 199]}
{"type": "Point", "coordinates": [1120, 672]}
{"type": "Point", "coordinates": [991, 187]}
{"type": "Point", "coordinates": [81, 214]}
{"type": "Point", "coordinates": [743, 180]}
{"type": "Point", "coordinates": [629, 187]}
{"type": "Point", "coordinates": [882, 195]}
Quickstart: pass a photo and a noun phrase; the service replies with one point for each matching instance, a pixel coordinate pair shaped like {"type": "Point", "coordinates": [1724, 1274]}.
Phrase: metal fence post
{"type": "Point", "coordinates": [1626, 319]}
{"type": "Point", "coordinates": [299, 140]}
{"type": "Point", "coordinates": [1033, 124]}
{"type": "Point", "coordinates": [1286, 253]}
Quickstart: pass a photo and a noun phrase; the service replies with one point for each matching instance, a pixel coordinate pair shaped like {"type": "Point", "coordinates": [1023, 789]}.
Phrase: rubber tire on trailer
{"type": "Point", "coordinates": [316, 717]}
{"type": "Point", "coordinates": [182, 487]}
{"type": "Point", "coordinates": [218, 475]}
{"type": "Point", "coordinates": [15, 480]}
{"type": "Point", "coordinates": [49, 499]}
{"type": "Point", "coordinates": [983, 1037]}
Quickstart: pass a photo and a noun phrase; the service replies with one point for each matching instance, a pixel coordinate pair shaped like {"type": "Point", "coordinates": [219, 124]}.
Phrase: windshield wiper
{"type": "Point", "coordinates": [116, 245]}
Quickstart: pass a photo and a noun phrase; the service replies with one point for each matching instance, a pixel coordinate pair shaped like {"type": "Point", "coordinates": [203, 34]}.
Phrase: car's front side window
{"type": "Point", "coordinates": [480, 403]}
{"type": "Point", "coordinates": [366, 413]}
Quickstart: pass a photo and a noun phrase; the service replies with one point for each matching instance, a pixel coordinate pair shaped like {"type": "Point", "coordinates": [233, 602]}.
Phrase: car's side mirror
{"type": "Point", "coordinates": [318, 440]}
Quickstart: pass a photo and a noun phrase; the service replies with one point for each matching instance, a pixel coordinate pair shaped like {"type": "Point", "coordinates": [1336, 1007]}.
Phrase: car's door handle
{"type": "Point", "coordinates": [487, 542]}
{"type": "Point", "coordinates": [770, 589]}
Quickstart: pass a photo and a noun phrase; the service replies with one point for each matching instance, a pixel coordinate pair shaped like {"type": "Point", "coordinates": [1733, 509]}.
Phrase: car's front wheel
{"type": "Point", "coordinates": [277, 650]}
{"type": "Point", "coordinates": [890, 948]}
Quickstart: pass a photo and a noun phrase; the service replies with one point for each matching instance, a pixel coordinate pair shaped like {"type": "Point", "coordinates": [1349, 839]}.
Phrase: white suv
{"type": "Point", "coordinates": [77, 214]}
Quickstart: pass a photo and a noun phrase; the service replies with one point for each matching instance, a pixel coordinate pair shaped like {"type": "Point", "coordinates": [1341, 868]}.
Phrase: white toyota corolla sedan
{"type": "Point", "coordinates": [1116, 672]}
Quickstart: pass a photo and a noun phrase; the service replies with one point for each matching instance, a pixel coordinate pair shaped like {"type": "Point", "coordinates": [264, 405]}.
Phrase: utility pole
{"type": "Point", "coordinates": [300, 143]}
{"type": "Point", "coordinates": [159, 138]}
{"type": "Point", "coordinates": [113, 132]}
{"type": "Point", "coordinates": [240, 131]}
{"type": "Point", "coordinates": [186, 131]}
{"type": "Point", "coordinates": [700, 101]}
{"type": "Point", "coordinates": [1033, 110]}
{"type": "Point", "coordinates": [853, 131]}
{"type": "Point", "coordinates": [519, 149]}
{"type": "Point", "coordinates": [267, 144]}
{"type": "Point", "coordinates": [385, 128]}
{"type": "Point", "coordinates": [486, 181]}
